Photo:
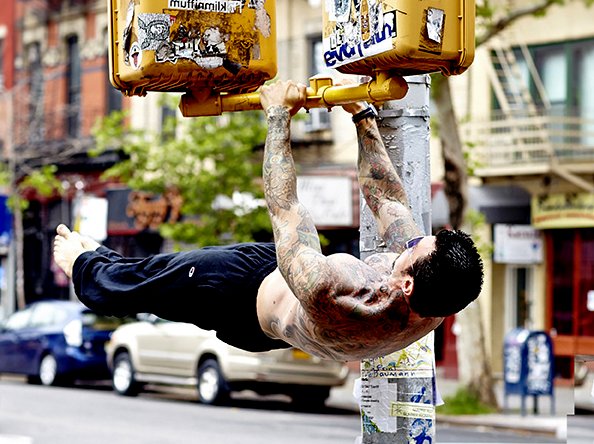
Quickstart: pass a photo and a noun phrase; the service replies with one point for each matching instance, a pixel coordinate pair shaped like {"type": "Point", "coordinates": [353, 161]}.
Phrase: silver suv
{"type": "Point", "coordinates": [172, 353]}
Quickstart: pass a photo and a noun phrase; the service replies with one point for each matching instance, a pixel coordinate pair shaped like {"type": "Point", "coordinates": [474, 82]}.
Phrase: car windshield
{"type": "Point", "coordinates": [99, 322]}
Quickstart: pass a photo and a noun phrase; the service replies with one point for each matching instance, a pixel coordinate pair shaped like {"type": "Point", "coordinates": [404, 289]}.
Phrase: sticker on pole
{"type": "Point", "coordinates": [397, 392]}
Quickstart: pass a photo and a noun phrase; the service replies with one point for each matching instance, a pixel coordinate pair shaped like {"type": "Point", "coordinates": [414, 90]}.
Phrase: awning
{"type": "Point", "coordinates": [501, 204]}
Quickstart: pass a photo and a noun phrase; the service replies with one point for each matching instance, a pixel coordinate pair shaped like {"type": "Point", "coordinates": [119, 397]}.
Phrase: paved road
{"type": "Point", "coordinates": [580, 428]}
{"type": "Point", "coordinates": [95, 415]}
{"type": "Point", "coordinates": [74, 415]}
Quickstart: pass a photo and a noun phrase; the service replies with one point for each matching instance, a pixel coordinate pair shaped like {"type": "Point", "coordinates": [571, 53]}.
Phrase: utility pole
{"type": "Point", "coordinates": [398, 390]}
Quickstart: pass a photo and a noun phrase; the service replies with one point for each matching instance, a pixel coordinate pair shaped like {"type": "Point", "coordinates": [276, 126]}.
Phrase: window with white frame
{"type": "Point", "coordinates": [318, 118]}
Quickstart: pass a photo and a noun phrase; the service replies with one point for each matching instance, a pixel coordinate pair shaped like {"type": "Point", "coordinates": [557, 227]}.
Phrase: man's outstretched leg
{"type": "Point", "coordinates": [214, 288]}
{"type": "Point", "coordinates": [68, 245]}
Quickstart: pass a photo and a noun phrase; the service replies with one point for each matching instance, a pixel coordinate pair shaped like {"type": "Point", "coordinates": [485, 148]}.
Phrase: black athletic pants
{"type": "Point", "coordinates": [214, 288]}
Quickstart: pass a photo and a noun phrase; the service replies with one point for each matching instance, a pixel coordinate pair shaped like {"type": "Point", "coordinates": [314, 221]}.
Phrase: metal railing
{"type": "Point", "coordinates": [49, 131]}
{"type": "Point", "coordinates": [529, 140]}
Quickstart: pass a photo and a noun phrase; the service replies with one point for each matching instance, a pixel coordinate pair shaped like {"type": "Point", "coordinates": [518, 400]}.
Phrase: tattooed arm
{"type": "Point", "coordinates": [318, 282]}
{"type": "Point", "coordinates": [297, 243]}
{"type": "Point", "coordinates": [381, 186]}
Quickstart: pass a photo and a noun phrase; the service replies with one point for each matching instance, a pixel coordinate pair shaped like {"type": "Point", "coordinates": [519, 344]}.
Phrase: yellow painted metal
{"type": "Point", "coordinates": [220, 51]}
{"type": "Point", "coordinates": [208, 46]}
{"type": "Point", "coordinates": [404, 36]}
{"type": "Point", "coordinates": [321, 93]}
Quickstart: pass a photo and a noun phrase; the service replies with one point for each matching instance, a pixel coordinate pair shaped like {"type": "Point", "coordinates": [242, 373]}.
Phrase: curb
{"type": "Point", "coordinates": [550, 426]}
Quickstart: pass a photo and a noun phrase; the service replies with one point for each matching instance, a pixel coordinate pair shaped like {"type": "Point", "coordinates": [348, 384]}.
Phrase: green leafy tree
{"type": "Point", "coordinates": [44, 182]}
{"type": "Point", "coordinates": [209, 160]}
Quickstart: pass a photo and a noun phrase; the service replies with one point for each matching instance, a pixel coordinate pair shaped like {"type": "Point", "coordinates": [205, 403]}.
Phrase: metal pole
{"type": "Point", "coordinates": [398, 391]}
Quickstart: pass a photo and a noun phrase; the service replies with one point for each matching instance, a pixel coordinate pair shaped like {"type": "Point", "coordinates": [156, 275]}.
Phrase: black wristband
{"type": "Point", "coordinates": [370, 111]}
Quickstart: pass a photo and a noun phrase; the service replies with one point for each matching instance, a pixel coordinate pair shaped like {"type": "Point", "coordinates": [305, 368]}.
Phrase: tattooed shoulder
{"type": "Point", "coordinates": [382, 262]}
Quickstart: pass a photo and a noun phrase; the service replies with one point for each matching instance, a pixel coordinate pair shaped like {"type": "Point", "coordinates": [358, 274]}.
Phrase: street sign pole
{"type": "Point", "coordinates": [398, 390]}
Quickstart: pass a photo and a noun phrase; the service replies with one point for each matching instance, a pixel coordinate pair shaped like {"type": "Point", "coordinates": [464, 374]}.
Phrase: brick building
{"type": "Point", "coordinates": [56, 87]}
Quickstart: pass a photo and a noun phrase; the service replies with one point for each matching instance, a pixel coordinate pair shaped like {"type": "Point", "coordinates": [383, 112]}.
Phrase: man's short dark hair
{"type": "Point", "coordinates": [447, 279]}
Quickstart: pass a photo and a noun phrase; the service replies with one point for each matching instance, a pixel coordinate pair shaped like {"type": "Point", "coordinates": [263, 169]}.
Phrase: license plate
{"type": "Point", "coordinates": [301, 355]}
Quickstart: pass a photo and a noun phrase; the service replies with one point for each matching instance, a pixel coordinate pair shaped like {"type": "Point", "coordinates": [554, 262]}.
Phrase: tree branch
{"type": "Point", "coordinates": [496, 27]}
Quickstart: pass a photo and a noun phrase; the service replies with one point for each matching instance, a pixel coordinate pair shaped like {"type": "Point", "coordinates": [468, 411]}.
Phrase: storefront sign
{"type": "Point", "coordinates": [517, 244]}
{"type": "Point", "coordinates": [563, 211]}
{"type": "Point", "coordinates": [132, 211]}
{"type": "Point", "coordinates": [329, 199]}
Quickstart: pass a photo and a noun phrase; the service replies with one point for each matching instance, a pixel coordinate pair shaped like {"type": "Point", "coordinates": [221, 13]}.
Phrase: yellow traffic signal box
{"type": "Point", "coordinates": [404, 37]}
{"type": "Point", "coordinates": [204, 46]}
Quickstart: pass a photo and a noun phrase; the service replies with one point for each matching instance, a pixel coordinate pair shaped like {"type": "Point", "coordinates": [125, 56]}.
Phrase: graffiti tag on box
{"type": "Point", "coordinates": [228, 7]}
{"type": "Point", "coordinates": [358, 29]}
{"type": "Point", "coordinates": [210, 33]}
{"type": "Point", "coordinates": [539, 365]}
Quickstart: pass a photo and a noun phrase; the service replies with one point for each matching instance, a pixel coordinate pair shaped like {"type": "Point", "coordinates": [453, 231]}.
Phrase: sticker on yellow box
{"type": "Point", "coordinates": [227, 7]}
{"type": "Point", "coordinates": [357, 30]}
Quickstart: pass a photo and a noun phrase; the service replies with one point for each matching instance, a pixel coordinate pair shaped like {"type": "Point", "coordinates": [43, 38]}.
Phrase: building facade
{"type": "Point", "coordinates": [56, 87]}
{"type": "Point", "coordinates": [530, 110]}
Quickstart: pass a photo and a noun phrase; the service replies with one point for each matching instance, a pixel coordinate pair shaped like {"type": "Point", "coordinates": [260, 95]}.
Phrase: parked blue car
{"type": "Point", "coordinates": [56, 342]}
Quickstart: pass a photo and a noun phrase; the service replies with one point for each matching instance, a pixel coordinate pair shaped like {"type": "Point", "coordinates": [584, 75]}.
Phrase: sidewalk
{"type": "Point", "coordinates": [544, 423]}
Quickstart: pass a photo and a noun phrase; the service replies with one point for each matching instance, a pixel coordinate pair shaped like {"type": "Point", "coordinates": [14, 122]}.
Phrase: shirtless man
{"type": "Point", "coordinates": [336, 307]}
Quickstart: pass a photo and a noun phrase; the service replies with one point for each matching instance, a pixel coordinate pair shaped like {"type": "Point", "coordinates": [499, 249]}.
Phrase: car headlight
{"type": "Point", "coordinates": [73, 333]}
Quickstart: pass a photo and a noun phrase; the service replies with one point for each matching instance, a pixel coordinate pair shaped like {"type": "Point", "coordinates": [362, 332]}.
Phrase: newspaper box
{"type": "Point", "coordinates": [404, 37]}
{"type": "Point", "coordinates": [528, 366]}
{"type": "Point", "coordinates": [199, 45]}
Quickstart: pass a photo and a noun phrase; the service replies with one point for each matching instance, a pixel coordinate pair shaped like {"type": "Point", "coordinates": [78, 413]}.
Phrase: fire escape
{"type": "Point", "coordinates": [51, 123]}
{"type": "Point", "coordinates": [525, 141]}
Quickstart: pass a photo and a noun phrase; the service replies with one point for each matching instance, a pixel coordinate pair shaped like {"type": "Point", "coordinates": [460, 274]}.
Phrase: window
{"type": "Point", "coordinates": [585, 100]}
{"type": "Point", "coordinates": [168, 121]}
{"type": "Point", "coordinates": [519, 297]}
{"type": "Point", "coordinates": [73, 81]}
{"type": "Point", "coordinates": [43, 315]}
{"type": "Point", "coordinates": [566, 70]}
{"type": "Point", "coordinates": [19, 320]}
{"type": "Point", "coordinates": [552, 68]}
{"type": "Point", "coordinates": [114, 96]}
{"type": "Point", "coordinates": [318, 118]}
{"type": "Point", "coordinates": [35, 78]}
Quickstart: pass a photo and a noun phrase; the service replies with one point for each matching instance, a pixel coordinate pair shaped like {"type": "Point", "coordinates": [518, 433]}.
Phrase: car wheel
{"type": "Point", "coordinates": [48, 370]}
{"type": "Point", "coordinates": [212, 387]}
{"type": "Point", "coordinates": [310, 397]}
{"type": "Point", "coordinates": [123, 379]}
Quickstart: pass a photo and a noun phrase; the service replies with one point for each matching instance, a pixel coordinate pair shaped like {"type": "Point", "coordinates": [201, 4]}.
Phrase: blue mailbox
{"type": "Point", "coordinates": [528, 366]}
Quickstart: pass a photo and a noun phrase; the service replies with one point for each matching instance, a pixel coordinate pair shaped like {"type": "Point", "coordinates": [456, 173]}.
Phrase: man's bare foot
{"type": "Point", "coordinates": [68, 245]}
